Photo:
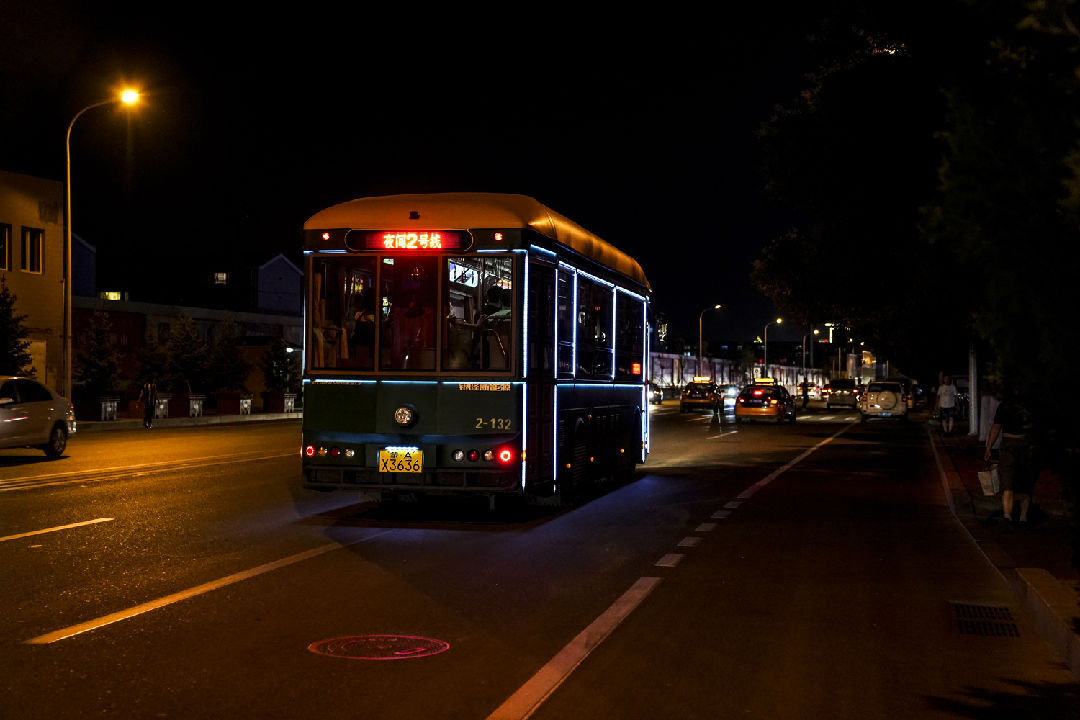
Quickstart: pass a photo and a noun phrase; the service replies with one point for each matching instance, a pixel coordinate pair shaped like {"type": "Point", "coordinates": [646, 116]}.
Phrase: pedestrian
{"type": "Point", "coordinates": [1016, 467]}
{"type": "Point", "coordinates": [946, 404]}
{"type": "Point", "coordinates": [148, 395]}
{"type": "Point", "coordinates": [805, 393]}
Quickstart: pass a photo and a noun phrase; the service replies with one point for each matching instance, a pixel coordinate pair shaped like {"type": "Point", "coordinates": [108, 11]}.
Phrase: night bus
{"type": "Point", "coordinates": [470, 343]}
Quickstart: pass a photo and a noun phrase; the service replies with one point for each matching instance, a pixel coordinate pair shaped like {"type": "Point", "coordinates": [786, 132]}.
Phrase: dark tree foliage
{"type": "Point", "coordinates": [97, 365]}
{"type": "Point", "coordinates": [14, 347]}
{"type": "Point", "coordinates": [937, 150]}
{"type": "Point", "coordinates": [188, 358]}
{"type": "Point", "coordinates": [281, 368]}
{"type": "Point", "coordinates": [227, 368]}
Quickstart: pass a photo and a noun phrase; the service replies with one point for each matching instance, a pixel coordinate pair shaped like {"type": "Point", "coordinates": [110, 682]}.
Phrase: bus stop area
{"type": "Point", "coordinates": [1035, 561]}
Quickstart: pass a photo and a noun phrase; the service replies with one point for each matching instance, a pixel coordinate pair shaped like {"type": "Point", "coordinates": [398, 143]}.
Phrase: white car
{"type": "Point", "coordinates": [31, 415]}
{"type": "Point", "coordinates": [883, 399]}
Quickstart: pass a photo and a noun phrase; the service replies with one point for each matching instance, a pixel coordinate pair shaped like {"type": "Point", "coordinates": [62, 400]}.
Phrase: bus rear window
{"type": "Point", "coordinates": [478, 302]}
{"type": "Point", "coordinates": [383, 313]}
{"type": "Point", "coordinates": [343, 314]}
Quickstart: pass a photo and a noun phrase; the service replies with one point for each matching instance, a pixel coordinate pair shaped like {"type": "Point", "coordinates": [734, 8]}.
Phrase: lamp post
{"type": "Point", "coordinates": [815, 331]}
{"type": "Point", "coordinates": [699, 341]}
{"type": "Point", "coordinates": [765, 346]}
{"type": "Point", "coordinates": [127, 97]}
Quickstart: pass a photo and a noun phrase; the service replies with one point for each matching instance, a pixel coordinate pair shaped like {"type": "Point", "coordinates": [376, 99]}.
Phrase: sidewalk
{"type": "Point", "coordinates": [210, 419]}
{"type": "Point", "coordinates": [1035, 562]}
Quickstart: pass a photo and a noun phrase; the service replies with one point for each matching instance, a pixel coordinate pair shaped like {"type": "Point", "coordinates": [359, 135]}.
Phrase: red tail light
{"type": "Point", "coordinates": [505, 455]}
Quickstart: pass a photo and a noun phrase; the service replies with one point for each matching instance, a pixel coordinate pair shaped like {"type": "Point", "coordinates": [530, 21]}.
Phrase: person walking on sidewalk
{"type": "Point", "coordinates": [946, 404]}
{"type": "Point", "coordinates": [148, 395]}
{"type": "Point", "coordinates": [1016, 468]}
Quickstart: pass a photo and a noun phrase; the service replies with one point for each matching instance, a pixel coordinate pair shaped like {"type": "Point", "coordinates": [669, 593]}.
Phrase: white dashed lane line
{"type": "Point", "coordinates": [530, 696]}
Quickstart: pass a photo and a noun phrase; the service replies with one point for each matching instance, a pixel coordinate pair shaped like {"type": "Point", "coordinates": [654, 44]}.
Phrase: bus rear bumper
{"type": "Point", "coordinates": [438, 481]}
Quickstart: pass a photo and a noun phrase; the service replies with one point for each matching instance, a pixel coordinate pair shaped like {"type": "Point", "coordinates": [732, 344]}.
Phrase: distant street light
{"type": "Point", "coordinates": [127, 97]}
{"type": "Point", "coordinates": [815, 332]}
{"type": "Point", "coordinates": [699, 341]}
{"type": "Point", "coordinates": [765, 345]}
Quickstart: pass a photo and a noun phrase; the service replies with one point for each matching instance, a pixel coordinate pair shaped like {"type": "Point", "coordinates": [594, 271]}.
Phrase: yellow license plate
{"type": "Point", "coordinates": [411, 461]}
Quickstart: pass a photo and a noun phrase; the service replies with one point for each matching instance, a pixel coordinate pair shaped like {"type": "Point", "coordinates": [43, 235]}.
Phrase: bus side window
{"type": "Point", "coordinates": [629, 337]}
{"type": "Point", "coordinates": [564, 323]}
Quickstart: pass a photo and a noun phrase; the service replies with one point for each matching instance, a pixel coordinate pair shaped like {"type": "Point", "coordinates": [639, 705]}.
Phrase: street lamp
{"type": "Point", "coordinates": [699, 341]}
{"type": "Point", "coordinates": [765, 346]}
{"type": "Point", "coordinates": [815, 331]}
{"type": "Point", "coordinates": [127, 97]}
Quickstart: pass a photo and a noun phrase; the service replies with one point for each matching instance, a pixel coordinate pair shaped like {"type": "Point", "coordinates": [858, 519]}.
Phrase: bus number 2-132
{"type": "Point", "coordinates": [492, 423]}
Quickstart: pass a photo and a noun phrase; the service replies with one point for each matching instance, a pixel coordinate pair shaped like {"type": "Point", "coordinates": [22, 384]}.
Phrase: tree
{"type": "Point", "coordinates": [989, 246]}
{"type": "Point", "coordinates": [281, 369]}
{"type": "Point", "coordinates": [227, 368]}
{"type": "Point", "coordinates": [14, 347]}
{"type": "Point", "coordinates": [97, 364]}
{"type": "Point", "coordinates": [187, 356]}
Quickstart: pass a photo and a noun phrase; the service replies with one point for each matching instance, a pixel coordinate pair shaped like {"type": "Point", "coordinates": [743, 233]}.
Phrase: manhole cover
{"type": "Point", "coordinates": [379, 647]}
{"type": "Point", "coordinates": [987, 620]}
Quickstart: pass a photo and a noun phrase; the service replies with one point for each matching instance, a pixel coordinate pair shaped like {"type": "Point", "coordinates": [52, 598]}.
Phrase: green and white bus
{"type": "Point", "coordinates": [470, 343]}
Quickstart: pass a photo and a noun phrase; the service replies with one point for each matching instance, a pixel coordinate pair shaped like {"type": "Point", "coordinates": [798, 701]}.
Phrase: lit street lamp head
{"type": "Point", "coordinates": [129, 96]}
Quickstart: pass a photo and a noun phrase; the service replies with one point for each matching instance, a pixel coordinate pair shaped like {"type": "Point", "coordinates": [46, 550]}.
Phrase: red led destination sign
{"type": "Point", "coordinates": [414, 240]}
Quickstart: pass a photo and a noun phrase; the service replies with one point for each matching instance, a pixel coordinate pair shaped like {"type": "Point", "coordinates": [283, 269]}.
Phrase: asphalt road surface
{"type": "Point", "coordinates": [796, 571]}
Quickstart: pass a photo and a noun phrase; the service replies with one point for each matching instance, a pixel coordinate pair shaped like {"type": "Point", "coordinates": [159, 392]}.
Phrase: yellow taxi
{"type": "Point", "coordinates": [765, 400]}
{"type": "Point", "coordinates": [701, 394]}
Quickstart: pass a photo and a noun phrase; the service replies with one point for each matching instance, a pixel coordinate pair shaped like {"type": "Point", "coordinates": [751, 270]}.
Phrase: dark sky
{"type": "Point", "coordinates": [639, 128]}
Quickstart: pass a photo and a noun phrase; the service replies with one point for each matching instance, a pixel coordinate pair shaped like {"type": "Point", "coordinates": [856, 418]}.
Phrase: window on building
{"type": "Point", "coordinates": [221, 278]}
{"type": "Point", "coordinates": [5, 247]}
{"type": "Point", "coordinates": [31, 249]}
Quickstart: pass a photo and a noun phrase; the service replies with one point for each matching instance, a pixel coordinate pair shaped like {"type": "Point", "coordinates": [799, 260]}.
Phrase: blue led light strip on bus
{"type": "Point", "coordinates": [555, 396]}
{"type": "Point", "coordinates": [614, 313]}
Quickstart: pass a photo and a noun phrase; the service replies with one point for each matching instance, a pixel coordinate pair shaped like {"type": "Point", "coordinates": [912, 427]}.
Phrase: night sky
{"type": "Point", "coordinates": [639, 128]}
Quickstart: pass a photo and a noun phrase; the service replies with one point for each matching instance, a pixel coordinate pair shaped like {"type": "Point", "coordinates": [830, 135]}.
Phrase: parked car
{"type": "Point", "coordinates": [884, 400]}
{"type": "Point", "coordinates": [842, 392]}
{"type": "Point", "coordinates": [656, 395]}
{"type": "Point", "coordinates": [31, 415]}
{"type": "Point", "coordinates": [765, 402]}
{"type": "Point", "coordinates": [700, 395]}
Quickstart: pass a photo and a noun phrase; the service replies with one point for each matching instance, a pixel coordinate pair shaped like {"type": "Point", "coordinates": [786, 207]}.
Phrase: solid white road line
{"type": "Point", "coordinates": [75, 476]}
{"type": "Point", "coordinates": [54, 529]}
{"type": "Point", "coordinates": [531, 695]}
{"type": "Point", "coordinates": [189, 593]}
{"type": "Point", "coordinates": [749, 492]}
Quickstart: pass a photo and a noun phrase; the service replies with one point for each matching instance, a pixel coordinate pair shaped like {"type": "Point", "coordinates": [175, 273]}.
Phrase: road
{"type": "Point", "coordinates": [798, 571]}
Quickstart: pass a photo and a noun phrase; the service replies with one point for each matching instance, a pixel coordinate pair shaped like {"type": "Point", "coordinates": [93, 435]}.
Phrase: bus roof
{"type": "Point", "coordinates": [463, 211]}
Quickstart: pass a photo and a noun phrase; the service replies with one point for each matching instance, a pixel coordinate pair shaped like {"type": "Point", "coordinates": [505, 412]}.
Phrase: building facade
{"type": "Point", "coordinates": [32, 263]}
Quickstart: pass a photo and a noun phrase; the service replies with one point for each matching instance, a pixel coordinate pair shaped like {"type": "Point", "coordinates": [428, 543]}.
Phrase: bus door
{"type": "Point", "coordinates": [540, 375]}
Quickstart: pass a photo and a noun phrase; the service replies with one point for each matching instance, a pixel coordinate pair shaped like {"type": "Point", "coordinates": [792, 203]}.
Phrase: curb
{"type": "Point", "coordinates": [84, 426]}
{"type": "Point", "coordinates": [1040, 595]}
